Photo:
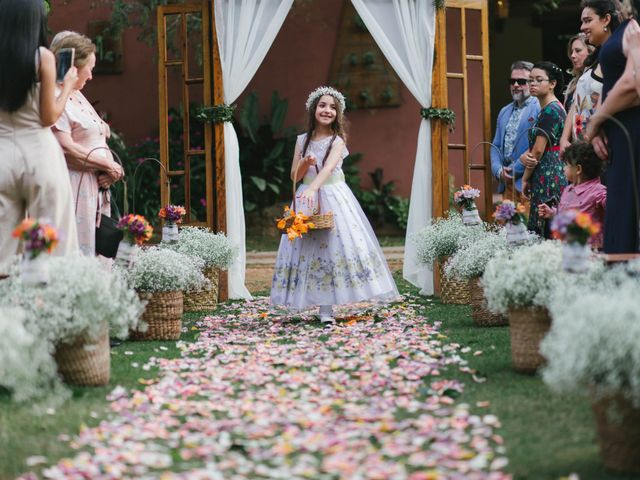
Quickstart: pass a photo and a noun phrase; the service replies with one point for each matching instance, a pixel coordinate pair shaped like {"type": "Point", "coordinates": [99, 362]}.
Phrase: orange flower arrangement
{"type": "Point", "coordinates": [574, 226]}
{"type": "Point", "coordinates": [294, 224]}
{"type": "Point", "coordinates": [38, 237]}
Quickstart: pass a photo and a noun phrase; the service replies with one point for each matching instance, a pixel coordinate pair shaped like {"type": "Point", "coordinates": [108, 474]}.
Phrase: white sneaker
{"type": "Point", "coordinates": [327, 319]}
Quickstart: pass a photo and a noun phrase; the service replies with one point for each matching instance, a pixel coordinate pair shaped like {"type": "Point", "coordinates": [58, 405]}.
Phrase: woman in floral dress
{"type": "Point", "coordinates": [544, 177]}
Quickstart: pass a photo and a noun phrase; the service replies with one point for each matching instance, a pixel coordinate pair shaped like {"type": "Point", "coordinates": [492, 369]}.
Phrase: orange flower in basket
{"type": "Point", "coordinates": [298, 224]}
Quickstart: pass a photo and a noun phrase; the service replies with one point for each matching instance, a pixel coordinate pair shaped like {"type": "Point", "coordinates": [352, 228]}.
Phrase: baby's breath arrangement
{"type": "Point", "coordinates": [444, 237]}
{"type": "Point", "coordinates": [593, 343]}
{"type": "Point", "coordinates": [27, 369]}
{"type": "Point", "coordinates": [472, 258]}
{"type": "Point", "coordinates": [81, 296]}
{"type": "Point", "coordinates": [163, 270]}
{"type": "Point", "coordinates": [215, 249]}
{"type": "Point", "coordinates": [525, 277]}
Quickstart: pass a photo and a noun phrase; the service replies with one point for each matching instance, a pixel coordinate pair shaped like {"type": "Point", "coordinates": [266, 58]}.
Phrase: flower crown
{"type": "Point", "coordinates": [320, 91]}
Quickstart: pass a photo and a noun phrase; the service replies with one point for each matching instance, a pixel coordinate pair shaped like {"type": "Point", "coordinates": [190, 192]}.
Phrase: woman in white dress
{"type": "Point", "coordinates": [34, 177]}
{"type": "Point", "coordinates": [335, 266]}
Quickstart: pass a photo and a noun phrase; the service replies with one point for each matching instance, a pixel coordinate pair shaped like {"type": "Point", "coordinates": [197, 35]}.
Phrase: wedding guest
{"type": "Point", "coordinates": [543, 178]}
{"type": "Point", "coordinates": [621, 98]}
{"type": "Point", "coordinates": [34, 177]}
{"type": "Point", "coordinates": [577, 50]}
{"type": "Point", "coordinates": [513, 121]}
{"type": "Point", "coordinates": [80, 130]}
{"type": "Point", "coordinates": [599, 21]}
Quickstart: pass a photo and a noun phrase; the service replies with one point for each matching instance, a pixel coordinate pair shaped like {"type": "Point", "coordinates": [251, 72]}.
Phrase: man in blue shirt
{"type": "Point", "coordinates": [511, 130]}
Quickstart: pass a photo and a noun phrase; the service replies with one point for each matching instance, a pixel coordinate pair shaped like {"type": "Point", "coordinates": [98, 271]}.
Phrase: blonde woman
{"type": "Point", "coordinates": [79, 130]}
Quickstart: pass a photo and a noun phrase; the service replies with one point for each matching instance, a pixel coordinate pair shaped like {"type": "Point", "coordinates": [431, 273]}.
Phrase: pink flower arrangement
{"type": "Point", "coordinates": [465, 197]}
{"type": "Point", "coordinates": [509, 212]}
{"type": "Point", "coordinates": [574, 227]}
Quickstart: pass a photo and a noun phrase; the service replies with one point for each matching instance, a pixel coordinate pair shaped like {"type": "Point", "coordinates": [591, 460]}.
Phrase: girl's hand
{"type": "Point", "coordinates": [545, 211]}
{"type": "Point", "coordinates": [525, 189]}
{"type": "Point", "coordinates": [70, 79]}
{"type": "Point", "coordinates": [528, 160]}
{"type": "Point", "coordinates": [308, 197]}
{"type": "Point", "coordinates": [309, 160]}
{"type": "Point", "coordinates": [564, 143]}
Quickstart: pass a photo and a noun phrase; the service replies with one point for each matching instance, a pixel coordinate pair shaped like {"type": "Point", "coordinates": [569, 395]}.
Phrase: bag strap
{"type": "Point", "coordinates": [125, 201]}
{"type": "Point", "coordinates": [295, 175]}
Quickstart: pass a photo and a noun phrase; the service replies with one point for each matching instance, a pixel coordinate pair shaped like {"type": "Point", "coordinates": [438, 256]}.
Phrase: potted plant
{"type": "Point", "coordinates": [465, 199]}
{"type": "Point", "coordinates": [575, 228]}
{"type": "Point", "coordinates": [521, 283]}
{"type": "Point", "coordinates": [75, 313]}
{"type": "Point", "coordinates": [159, 275]}
{"type": "Point", "coordinates": [172, 216]}
{"type": "Point", "coordinates": [468, 264]}
{"type": "Point", "coordinates": [512, 216]}
{"type": "Point", "coordinates": [593, 348]}
{"type": "Point", "coordinates": [437, 242]}
{"type": "Point", "coordinates": [216, 252]}
{"type": "Point", "coordinates": [137, 230]}
{"type": "Point", "coordinates": [39, 241]}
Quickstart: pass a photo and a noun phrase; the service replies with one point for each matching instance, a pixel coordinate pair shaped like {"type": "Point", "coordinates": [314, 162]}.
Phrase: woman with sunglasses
{"type": "Point", "coordinates": [544, 178]}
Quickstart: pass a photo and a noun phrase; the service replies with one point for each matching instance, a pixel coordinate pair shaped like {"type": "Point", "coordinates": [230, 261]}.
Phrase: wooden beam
{"type": "Point", "coordinates": [220, 220]}
{"type": "Point", "coordinates": [486, 84]}
{"type": "Point", "coordinates": [163, 121]}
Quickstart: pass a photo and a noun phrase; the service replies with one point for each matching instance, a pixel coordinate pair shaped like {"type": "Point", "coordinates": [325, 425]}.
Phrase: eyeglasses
{"type": "Point", "coordinates": [520, 81]}
{"type": "Point", "coordinates": [538, 80]}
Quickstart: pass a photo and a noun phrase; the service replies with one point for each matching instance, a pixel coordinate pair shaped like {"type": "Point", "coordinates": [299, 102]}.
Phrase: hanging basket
{"type": "Point", "coordinates": [452, 291]}
{"type": "Point", "coordinates": [163, 315]}
{"type": "Point", "coordinates": [618, 423]}
{"type": "Point", "coordinates": [204, 300]}
{"type": "Point", "coordinates": [86, 361]}
{"type": "Point", "coordinates": [480, 313]}
{"type": "Point", "coordinates": [528, 326]}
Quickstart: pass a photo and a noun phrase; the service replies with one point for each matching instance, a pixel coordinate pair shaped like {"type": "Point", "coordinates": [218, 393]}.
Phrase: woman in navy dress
{"type": "Point", "coordinates": [610, 141]}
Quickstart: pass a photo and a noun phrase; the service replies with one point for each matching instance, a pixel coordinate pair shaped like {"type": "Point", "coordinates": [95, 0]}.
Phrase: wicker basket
{"type": "Point", "coordinates": [528, 326]}
{"type": "Point", "coordinates": [452, 292]}
{"type": "Point", "coordinates": [163, 315]}
{"type": "Point", "coordinates": [618, 423]}
{"type": "Point", "coordinates": [480, 313]}
{"type": "Point", "coordinates": [203, 300]}
{"type": "Point", "coordinates": [86, 361]}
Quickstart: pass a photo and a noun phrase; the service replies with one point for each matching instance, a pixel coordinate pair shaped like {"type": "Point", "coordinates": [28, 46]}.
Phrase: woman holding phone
{"type": "Point", "coordinates": [80, 130]}
{"type": "Point", "coordinates": [34, 179]}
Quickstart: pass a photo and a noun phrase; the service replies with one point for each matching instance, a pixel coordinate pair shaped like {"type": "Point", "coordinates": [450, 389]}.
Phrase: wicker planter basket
{"type": "Point", "coordinates": [618, 423]}
{"type": "Point", "coordinates": [203, 300]}
{"type": "Point", "coordinates": [452, 291]}
{"type": "Point", "coordinates": [480, 313]}
{"type": "Point", "coordinates": [163, 315]}
{"type": "Point", "coordinates": [86, 361]}
{"type": "Point", "coordinates": [528, 326]}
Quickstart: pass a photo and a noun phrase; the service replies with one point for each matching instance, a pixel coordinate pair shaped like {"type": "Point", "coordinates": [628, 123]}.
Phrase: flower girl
{"type": "Point", "coordinates": [328, 267]}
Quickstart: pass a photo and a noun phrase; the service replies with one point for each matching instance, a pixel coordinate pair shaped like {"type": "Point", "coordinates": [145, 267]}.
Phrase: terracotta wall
{"type": "Point", "coordinates": [298, 61]}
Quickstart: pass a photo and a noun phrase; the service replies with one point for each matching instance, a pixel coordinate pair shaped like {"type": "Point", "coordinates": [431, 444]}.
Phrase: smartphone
{"type": "Point", "coordinates": [64, 61]}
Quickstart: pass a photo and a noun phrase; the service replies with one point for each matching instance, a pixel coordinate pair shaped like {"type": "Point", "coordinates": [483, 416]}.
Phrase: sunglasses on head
{"type": "Point", "coordinates": [520, 81]}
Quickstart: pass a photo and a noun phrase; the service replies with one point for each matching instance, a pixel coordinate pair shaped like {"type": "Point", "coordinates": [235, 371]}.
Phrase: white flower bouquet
{"type": "Point", "coordinates": [524, 277]}
{"type": "Point", "coordinates": [593, 343]}
{"type": "Point", "coordinates": [164, 270]}
{"type": "Point", "coordinates": [80, 297]}
{"type": "Point", "coordinates": [26, 367]}
{"type": "Point", "coordinates": [444, 237]}
{"type": "Point", "coordinates": [214, 249]}
{"type": "Point", "coordinates": [471, 259]}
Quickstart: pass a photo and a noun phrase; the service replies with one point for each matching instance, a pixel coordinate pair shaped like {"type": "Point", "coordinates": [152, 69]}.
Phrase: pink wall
{"type": "Point", "coordinates": [298, 61]}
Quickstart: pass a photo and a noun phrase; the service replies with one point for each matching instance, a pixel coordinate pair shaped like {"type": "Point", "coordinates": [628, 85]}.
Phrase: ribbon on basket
{"type": "Point", "coordinates": [315, 221]}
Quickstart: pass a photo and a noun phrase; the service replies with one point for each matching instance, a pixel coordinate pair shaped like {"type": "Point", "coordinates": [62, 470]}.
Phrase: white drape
{"type": "Point", "coordinates": [245, 30]}
{"type": "Point", "coordinates": [405, 31]}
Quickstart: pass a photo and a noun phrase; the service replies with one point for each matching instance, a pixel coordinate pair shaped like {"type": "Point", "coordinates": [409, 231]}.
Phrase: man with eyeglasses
{"type": "Point", "coordinates": [513, 122]}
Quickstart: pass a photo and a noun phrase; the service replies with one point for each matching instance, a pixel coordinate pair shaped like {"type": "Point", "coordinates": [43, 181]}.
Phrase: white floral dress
{"type": "Point", "coordinates": [332, 267]}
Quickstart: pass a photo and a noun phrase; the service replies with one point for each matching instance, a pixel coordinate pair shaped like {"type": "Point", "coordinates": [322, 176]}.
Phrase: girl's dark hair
{"type": "Point", "coordinates": [22, 31]}
{"type": "Point", "coordinates": [338, 126]}
{"type": "Point", "coordinates": [582, 153]}
{"type": "Point", "coordinates": [554, 72]}
{"type": "Point", "coordinates": [601, 8]}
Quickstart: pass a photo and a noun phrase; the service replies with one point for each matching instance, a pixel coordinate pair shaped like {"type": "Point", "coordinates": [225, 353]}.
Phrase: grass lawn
{"type": "Point", "coordinates": [547, 436]}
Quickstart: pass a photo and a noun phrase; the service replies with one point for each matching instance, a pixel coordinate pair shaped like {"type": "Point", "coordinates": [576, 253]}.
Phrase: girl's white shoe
{"type": "Point", "coordinates": [327, 319]}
